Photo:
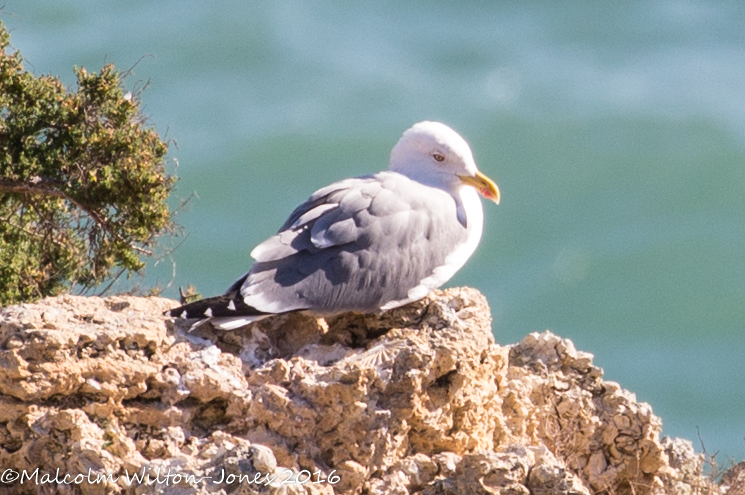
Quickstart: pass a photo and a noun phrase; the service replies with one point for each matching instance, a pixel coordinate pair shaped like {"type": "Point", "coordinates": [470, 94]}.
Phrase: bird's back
{"type": "Point", "coordinates": [357, 245]}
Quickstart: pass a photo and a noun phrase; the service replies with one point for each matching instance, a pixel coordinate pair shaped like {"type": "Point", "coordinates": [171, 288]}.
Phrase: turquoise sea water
{"type": "Point", "coordinates": [616, 132]}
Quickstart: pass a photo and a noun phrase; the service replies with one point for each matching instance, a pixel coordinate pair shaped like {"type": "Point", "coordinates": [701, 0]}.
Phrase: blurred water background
{"type": "Point", "coordinates": [615, 131]}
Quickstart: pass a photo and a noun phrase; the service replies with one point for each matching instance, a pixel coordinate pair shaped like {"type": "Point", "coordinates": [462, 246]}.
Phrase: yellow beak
{"type": "Point", "coordinates": [483, 185]}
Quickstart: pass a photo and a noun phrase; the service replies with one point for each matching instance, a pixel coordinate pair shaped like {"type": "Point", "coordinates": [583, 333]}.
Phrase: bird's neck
{"type": "Point", "coordinates": [469, 210]}
{"type": "Point", "coordinates": [428, 176]}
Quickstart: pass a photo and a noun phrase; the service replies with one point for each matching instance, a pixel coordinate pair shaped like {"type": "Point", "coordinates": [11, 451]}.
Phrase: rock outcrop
{"type": "Point", "coordinates": [107, 396]}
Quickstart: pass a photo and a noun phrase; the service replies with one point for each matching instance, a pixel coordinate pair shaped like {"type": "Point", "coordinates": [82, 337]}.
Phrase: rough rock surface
{"type": "Point", "coordinates": [420, 400]}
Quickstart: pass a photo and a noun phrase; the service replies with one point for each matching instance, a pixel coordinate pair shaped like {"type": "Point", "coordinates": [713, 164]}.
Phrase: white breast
{"type": "Point", "coordinates": [474, 215]}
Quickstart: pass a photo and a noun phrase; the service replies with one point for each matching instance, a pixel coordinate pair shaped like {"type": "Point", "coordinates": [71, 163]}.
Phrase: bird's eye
{"type": "Point", "coordinates": [438, 157]}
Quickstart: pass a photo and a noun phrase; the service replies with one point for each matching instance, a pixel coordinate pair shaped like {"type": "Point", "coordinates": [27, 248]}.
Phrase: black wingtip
{"type": "Point", "coordinates": [175, 312]}
{"type": "Point", "coordinates": [218, 306]}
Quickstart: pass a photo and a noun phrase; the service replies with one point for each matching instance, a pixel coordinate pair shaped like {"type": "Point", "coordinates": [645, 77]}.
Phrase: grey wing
{"type": "Point", "coordinates": [358, 245]}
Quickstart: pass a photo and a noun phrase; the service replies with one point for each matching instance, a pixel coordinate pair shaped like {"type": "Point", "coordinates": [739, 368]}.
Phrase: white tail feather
{"type": "Point", "coordinates": [233, 322]}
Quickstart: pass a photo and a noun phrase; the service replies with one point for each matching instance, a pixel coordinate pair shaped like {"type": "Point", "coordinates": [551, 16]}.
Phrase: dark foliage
{"type": "Point", "coordinates": [83, 182]}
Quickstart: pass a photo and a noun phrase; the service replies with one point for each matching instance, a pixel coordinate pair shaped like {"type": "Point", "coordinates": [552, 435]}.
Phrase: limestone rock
{"type": "Point", "coordinates": [734, 479]}
{"type": "Point", "coordinates": [418, 400]}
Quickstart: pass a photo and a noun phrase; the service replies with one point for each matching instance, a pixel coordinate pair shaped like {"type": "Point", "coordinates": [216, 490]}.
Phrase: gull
{"type": "Point", "coordinates": [366, 244]}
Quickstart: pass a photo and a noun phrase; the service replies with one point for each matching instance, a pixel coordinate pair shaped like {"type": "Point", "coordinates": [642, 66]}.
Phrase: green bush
{"type": "Point", "coordinates": [83, 182]}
